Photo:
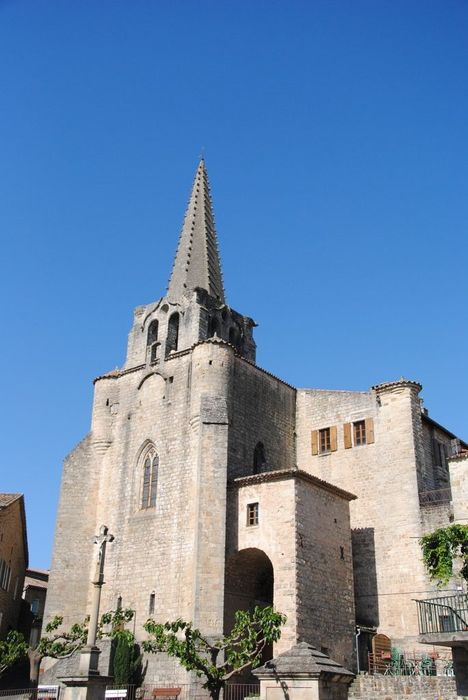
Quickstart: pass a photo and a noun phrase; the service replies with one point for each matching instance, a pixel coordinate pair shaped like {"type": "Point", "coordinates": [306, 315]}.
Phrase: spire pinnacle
{"type": "Point", "coordinates": [197, 261]}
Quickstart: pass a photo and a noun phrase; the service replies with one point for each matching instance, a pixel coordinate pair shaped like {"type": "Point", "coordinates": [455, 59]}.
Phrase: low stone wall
{"type": "Point", "coordinates": [403, 687]}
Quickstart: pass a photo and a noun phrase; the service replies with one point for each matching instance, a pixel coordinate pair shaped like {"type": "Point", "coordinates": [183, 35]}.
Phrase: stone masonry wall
{"type": "Point", "coordinates": [324, 572]}
{"type": "Point", "coordinates": [262, 409]}
{"type": "Point", "coordinates": [274, 536]}
{"type": "Point", "coordinates": [302, 528]}
{"type": "Point", "coordinates": [384, 476]}
{"type": "Point", "coordinates": [403, 688]}
{"type": "Point", "coordinates": [69, 577]}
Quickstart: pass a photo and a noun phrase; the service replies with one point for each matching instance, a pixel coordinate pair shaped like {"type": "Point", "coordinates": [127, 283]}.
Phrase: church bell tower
{"type": "Point", "coordinates": [194, 308]}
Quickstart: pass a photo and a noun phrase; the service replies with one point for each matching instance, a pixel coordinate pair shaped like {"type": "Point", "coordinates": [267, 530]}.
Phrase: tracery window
{"type": "Point", "coordinates": [150, 479]}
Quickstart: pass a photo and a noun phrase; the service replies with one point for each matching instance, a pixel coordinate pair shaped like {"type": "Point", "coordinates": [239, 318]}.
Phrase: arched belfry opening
{"type": "Point", "coordinates": [152, 340]}
{"type": "Point", "coordinates": [214, 328]}
{"type": "Point", "coordinates": [172, 340]}
{"type": "Point", "coordinates": [249, 581]}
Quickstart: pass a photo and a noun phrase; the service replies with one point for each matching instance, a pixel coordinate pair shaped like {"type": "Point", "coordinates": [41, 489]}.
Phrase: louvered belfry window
{"type": "Point", "coordinates": [150, 480]}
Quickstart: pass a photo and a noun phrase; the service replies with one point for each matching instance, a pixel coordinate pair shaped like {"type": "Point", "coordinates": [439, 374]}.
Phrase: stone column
{"type": "Point", "coordinates": [89, 684]}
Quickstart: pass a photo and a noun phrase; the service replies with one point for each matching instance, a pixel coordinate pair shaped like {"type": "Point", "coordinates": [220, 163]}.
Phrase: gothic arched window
{"type": "Point", "coordinates": [172, 340]}
{"type": "Point", "coordinates": [150, 479]}
{"type": "Point", "coordinates": [152, 340]}
{"type": "Point", "coordinates": [259, 459]}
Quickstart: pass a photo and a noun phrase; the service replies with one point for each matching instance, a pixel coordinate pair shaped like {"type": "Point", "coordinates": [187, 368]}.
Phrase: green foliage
{"type": "Point", "coordinates": [220, 659]}
{"type": "Point", "coordinates": [12, 649]}
{"type": "Point", "coordinates": [127, 660]}
{"type": "Point", "coordinates": [62, 643]}
{"type": "Point", "coordinates": [117, 619]}
{"type": "Point", "coordinates": [441, 547]}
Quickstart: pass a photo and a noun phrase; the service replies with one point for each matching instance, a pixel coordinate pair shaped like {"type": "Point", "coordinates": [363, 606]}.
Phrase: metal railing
{"type": "Point", "coordinates": [45, 692]}
{"type": "Point", "coordinates": [232, 691]}
{"type": "Point", "coordinates": [240, 691]}
{"type": "Point", "coordinates": [443, 614]}
{"type": "Point", "coordinates": [398, 663]}
{"type": "Point", "coordinates": [435, 496]}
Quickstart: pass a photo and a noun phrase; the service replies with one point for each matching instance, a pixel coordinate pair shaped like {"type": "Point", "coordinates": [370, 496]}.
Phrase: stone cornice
{"type": "Point", "coordinates": [116, 373]}
{"type": "Point", "coordinates": [284, 474]}
{"type": "Point", "coordinates": [400, 383]}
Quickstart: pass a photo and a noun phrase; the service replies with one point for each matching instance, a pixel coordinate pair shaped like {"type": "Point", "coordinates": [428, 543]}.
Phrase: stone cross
{"type": "Point", "coordinates": [101, 540]}
{"type": "Point", "coordinates": [90, 653]}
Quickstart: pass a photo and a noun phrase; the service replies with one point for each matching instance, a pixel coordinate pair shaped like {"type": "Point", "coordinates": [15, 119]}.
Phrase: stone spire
{"type": "Point", "coordinates": [197, 261]}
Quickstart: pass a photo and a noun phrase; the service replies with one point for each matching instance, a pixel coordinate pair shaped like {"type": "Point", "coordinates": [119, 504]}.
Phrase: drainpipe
{"type": "Point", "coordinates": [358, 632]}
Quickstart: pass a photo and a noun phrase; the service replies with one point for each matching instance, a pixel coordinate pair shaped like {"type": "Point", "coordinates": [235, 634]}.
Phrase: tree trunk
{"type": "Point", "coordinates": [215, 691]}
{"type": "Point", "coordinates": [35, 659]}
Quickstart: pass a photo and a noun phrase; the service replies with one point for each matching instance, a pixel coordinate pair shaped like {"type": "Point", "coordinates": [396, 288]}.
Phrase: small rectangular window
{"type": "Point", "coordinates": [324, 440]}
{"type": "Point", "coordinates": [252, 514]}
{"type": "Point", "coordinates": [359, 432]}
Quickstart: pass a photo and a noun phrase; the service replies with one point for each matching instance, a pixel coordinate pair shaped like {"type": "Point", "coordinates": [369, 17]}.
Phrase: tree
{"type": "Point", "coordinates": [12, 650]}
{"type": "Point", "coordinates": [61, 644]}
{"type": "Point", "coordinates": [57, 645]}
{"type": "Point", "coordinates": [440, 548]}
{"type": "Point", "coordinates": [217, 660]}
{"type": "Point", "coordinates": [127, 660]}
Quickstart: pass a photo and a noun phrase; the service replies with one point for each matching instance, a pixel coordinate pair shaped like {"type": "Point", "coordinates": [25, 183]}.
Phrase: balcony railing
{"type": "Point", "coordinates": [444, 614]}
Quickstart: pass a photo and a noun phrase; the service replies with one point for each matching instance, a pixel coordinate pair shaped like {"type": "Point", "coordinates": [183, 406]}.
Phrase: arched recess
{"type": "Point", "coordinates": [249, 581]}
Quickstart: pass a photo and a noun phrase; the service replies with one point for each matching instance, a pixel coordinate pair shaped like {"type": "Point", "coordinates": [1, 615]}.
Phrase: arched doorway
{"type": "Point", "coordinates": [249, 581]}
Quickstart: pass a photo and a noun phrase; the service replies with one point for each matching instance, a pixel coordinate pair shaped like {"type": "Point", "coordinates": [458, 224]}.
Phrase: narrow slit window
{"type": "Point", "coordinates": [151, 604]}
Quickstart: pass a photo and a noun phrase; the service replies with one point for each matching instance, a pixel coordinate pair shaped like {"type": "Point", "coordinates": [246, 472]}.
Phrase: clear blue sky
{"type": "Point", "coordinates": [336, 142]}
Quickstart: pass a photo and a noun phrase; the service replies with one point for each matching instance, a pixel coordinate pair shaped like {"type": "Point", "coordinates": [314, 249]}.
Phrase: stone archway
{"type": "Point", "coordinates": [249, 581]}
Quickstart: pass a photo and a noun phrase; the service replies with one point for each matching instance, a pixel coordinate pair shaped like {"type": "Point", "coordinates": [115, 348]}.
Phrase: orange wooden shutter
{"type": "Point", "coordinates": [314, 442]}
{"type": "Point", "coordinates": [333, 439]}
{"type": "Point", "coordinates": [369, 431]}
{"type": "Point", "coordinates": [347, 435]}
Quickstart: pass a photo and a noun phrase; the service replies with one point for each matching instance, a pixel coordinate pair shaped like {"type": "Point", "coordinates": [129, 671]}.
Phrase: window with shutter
{"type": "Point", "coordinates": [324, 440]}
{"type": "Point", "coordinates": [370, 430]}
{"type": "Point", "coordinates": [347, 436]}
{"type": "Point", "coordinates": [359, 433]}
{"type": "Point", "coordinates": [314, 442]}
{"type": "Point", "coordinates": [333, 439]}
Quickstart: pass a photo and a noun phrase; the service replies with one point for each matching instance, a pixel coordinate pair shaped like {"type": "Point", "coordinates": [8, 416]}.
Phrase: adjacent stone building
{"type": "Point", "coordinates": [13, 559]}
{"type": "Point", "coordinates": [225, 487]}
{"type": "Point", "coordinates": [34, 596]}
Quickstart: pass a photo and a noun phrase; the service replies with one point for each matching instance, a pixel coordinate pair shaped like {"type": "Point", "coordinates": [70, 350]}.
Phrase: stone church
{"type": "Point", "coordinates": [224, 486]}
